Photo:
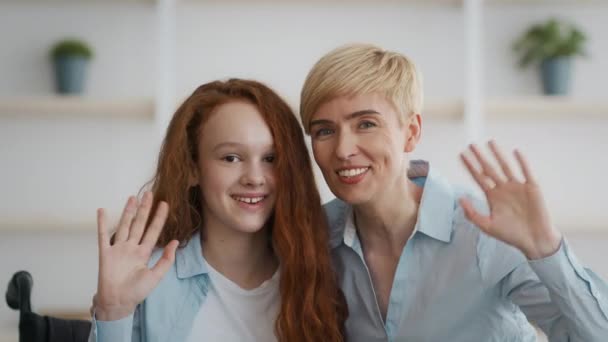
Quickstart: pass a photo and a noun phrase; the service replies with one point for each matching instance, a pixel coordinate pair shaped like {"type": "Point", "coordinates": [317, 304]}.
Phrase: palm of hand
{"type": "Point", "coordinates": [124, 278]}
{"type": "Point", "coordinates": [515, 211]}
{"type": "Point", "coordinates": [518, 215]}
{"type": "Point", "coordinates": [123, 267]}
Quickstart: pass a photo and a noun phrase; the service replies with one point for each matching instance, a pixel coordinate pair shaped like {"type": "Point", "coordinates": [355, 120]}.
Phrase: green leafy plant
{"type": "Point", "coordinates": [71, 47]}
{"type": "Point", "coordinates": [551, 39]}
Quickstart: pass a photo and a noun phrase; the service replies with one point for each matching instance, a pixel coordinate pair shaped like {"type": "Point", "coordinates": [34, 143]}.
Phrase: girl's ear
{"type": "Point", "coordinates": [413, 130]}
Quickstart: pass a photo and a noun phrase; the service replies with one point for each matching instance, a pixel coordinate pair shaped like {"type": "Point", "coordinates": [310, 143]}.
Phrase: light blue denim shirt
{"type": "Point", "coordinates": [168, 312]}
{"type": "Point", "coordinates": [454, 283]}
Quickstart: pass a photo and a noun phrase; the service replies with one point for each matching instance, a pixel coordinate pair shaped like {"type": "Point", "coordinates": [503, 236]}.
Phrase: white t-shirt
{"type": "Point", "coordinates": [230, 313]}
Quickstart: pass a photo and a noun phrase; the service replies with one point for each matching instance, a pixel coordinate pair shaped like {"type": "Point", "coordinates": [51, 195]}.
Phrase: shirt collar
{"type": "Point", "coordinates": [350, 231]}
{"type": "Point", "coordinates": [435, 213]}
{"type": "Point", "coordinates": [189, 259]}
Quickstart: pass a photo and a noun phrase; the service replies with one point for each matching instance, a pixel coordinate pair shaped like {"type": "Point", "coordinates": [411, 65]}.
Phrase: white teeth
{"type": "Point", "coordinates": [249, 200]}
{"type": "Point", "coordinates": [352, 172]}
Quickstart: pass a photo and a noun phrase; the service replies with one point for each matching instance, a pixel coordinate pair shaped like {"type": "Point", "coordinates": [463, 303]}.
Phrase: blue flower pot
{"type": "Point", "coordinates": [70, 74]}
{"type": "Point", "coordinates": [555, 73]}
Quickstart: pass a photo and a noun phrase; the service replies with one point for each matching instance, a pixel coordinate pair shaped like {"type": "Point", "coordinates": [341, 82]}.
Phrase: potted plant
{"type": "Point", "coordinates": [70, 59]}
{"type": "Point", "coordinates": [552, 44]}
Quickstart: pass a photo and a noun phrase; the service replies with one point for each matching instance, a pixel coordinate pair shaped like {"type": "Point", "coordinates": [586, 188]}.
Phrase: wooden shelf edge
{"type": "Point", "coordinates": [50, 225]}
{"type": "Point", "coordinates": [76, 107]}
{"type": "Point", "coordinates": [545, 107]}
{"type": "Point", "coordinates": [438, 109]}
{"type": "Point", "coordinates": [443, 109]}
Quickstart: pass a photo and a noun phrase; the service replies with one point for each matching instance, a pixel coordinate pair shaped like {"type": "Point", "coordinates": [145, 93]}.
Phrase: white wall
{"type": "Point", "coordinates": [64, 169]}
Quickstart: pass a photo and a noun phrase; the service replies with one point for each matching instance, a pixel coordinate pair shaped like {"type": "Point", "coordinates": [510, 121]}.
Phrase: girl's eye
{"type": "Point", "coordinates": [323, 132]}
{"type": "Point", "coordinates": [269, 159]}
{"type": "Point", "coordinates": [367, 124]}
{"type": "Point", "coordinates": [231, 159]}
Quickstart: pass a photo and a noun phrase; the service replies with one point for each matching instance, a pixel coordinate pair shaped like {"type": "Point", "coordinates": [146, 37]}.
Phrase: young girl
{"type": "Point", "coordinates": [234, 189]}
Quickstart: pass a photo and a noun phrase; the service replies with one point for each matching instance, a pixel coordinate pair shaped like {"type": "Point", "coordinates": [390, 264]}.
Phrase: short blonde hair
{"type": "Point", "coordinates": [357, 69]}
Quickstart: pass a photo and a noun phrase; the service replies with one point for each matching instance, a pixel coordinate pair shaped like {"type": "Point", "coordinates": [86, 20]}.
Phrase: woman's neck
{"type": "Point", "coordinates": [387, 223]}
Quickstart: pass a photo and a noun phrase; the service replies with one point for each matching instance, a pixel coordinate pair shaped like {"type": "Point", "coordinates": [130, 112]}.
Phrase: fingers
{"type": "Point", "coordinates": [164, 263]}
{"type": "Point", "coordinates": [488, 177]}
{"type": "Point", "coordinates": [482, 221]}
{"type": "Point", "coordinates": [133, 222]}
{"type": "Point", "coordinates": [501, 160]}
{"type": "Point", "coordinates": [124, 225]}
{"type": "Point", "coordinates": [156, 226]}
{"type": "Point", "coordinates": [141, 218]}
{"type": "Point", "coordinates": [486, 167]}
{"type": "Point", "coordinates": [479, 177]}
{"type": "Point", "coordinates": [103, 238]}
{"type": "Point", "coordinates": [525, 168]}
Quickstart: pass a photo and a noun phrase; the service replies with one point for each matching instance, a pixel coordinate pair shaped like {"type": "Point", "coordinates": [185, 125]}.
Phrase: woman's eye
{"type": "Point", "coordinates": [367, 124]}
{"type": "Point", "coordinates": [269, 159]}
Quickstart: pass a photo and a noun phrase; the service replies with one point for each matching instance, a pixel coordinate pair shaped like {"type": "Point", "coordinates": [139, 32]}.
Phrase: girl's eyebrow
{"type": "Point", "coordinates": [227, 144]}
{"type": "Point", "coordinates": [241, 145]}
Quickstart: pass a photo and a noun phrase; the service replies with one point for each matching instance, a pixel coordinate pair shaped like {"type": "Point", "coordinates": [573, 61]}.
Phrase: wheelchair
{"type": "Point", "coordinates": [38, 328]}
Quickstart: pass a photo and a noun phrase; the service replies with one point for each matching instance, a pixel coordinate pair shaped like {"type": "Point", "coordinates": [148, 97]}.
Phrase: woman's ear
{"type": "Point", "coordinates": [413, 130]}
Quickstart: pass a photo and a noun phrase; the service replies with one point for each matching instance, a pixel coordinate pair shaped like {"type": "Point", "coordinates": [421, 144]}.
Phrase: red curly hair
{"type": "Point", "coordinates": [312, 305]}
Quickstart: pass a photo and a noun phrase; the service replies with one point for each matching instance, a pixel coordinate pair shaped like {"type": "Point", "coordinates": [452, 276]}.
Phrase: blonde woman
{"type": "Point", "coordinates": [419, 260]}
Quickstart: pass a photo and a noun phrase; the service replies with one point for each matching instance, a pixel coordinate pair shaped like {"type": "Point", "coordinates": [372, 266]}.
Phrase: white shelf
{"type": "Point", "coordinates": [448, 109]}
{"type": "Point", "coordinates": [75, 107]}
{"type": "Point", "coordinates": [443, 109]}
{"type": "Point", "coordinates": [545, 108]}
{"type": "Point", "coordinates": [47, 225]}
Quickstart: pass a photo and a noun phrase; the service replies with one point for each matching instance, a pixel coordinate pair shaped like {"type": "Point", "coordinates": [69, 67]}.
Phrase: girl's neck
{"type": "Point", "coordinates": [246, 259]}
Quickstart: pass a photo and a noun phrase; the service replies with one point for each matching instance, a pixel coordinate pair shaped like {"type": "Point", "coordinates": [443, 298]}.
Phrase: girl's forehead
{"type": "Point", "coordinates": [239, 123]}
